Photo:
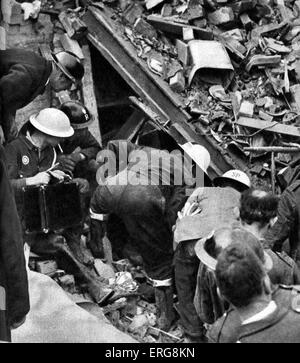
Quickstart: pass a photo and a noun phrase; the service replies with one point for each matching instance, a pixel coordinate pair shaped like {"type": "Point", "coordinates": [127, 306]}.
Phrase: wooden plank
{"type": "Point", "coordinates": [170, 26]}
{"type": "Point", "coordinates": [88, 93]}
{"type": "Point", "coordinates": [268, 126]}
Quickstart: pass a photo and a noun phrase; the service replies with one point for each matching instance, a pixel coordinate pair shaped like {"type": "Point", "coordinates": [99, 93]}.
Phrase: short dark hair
{"type": "Point", "coordinates": [258, 206]}
{"type": "Point", "coordinates": [239, 274]}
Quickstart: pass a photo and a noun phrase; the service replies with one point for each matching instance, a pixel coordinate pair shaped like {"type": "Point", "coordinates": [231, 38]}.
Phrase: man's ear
{"type": "Point", "coordinates": [236, 212]}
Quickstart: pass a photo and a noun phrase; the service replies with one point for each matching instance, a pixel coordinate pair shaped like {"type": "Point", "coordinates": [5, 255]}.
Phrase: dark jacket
{"type": "Point", "coordinates": [13, 275]}
{"type": "Point", "coordinates": [84, 140]}
{"type": "Point", "coordinates": [147, 211]}
{"type": "Point", "coordinates": [23, 76]}
{"type": "Point", "coordinates": [287, 225]}
{"type": "Point", "coordinates": [280, 327]}
{"type": "Point", "coordinates": [207, 301]}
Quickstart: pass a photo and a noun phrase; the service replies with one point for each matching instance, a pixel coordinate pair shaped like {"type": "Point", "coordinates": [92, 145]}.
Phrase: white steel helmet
{"type": "Point", "coordinates": [236, 175]}
{"type": "Point", "coordinates": [198, 154]}
{"type": "Point", "coordinates": [53, 122]}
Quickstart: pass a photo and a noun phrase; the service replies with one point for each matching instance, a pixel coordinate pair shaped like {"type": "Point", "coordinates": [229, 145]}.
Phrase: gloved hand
{"type": "Point", "coordinates": [83, 184]}
{"type": "Point", "coordinates": [39, 179]}
{"type": "Point", "coordinates": [77, 157]}
{"type": "Point", "coordinates": [67, 163]}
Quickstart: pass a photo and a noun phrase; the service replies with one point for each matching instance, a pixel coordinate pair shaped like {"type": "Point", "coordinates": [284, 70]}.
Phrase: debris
{"type": "Point", "coordinates": [152, 3]}
{"type": "Point", "coordinates": [144, 28]}
{"type": "Point", "coordinates": [263, 60]}
{"type": "Point", "coordinates": [223, 16]}
{"type": "Point", "coordinates": [71, 45]}
{"type": "Point", "coordinates": [177, 82]}
{"type": "Point", "coordinates": [188, 34]}
{"type": "Point", "coordinates": [46, 267]}
{"type": "Point", "coordinates": [133, 12]}
{"type": "Point", "coordinates": [246, 109]}
{"type": "Point", "coordinates": [183, 52]}
{"type": "Point", "coordinates": [267, 126]}
{"type": "Point", "coordinates": [218, 92]}
{"type": "Point", "coordinates": [170, 26]}
{"type": "Point", "coordinates": [75, 27]}
{"type": "Point", "coordinates": [211, 58]}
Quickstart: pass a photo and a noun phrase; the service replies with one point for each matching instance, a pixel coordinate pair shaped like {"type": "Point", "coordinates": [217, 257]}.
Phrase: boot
{"type": "Point", "coordinates": [164, 305]}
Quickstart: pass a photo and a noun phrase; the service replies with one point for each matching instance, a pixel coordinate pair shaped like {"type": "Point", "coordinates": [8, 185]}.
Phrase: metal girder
{"type": "Point", "coordinates": [120, 53]}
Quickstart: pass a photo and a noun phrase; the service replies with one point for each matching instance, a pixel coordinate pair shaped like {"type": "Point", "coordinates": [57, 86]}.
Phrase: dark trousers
{"type": "Point", "coordinates": [186, 270]}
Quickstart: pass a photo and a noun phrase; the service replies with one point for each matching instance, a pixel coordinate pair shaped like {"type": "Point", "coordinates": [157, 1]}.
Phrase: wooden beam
{"type": "Point", "coordinates": [88, 94]}
{"type": "Point", "coordinates": [269, 126]}
{"type": "Point", "coordinates": [172, 27]}
{"type": "Point", "coordinates": [131, 127]}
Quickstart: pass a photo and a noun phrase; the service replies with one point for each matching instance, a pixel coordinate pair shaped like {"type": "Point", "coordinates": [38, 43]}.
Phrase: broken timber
{"type": "Point", "coordinates": [105, 36]}
{"type": "Point", "coordinates": [269, 126]}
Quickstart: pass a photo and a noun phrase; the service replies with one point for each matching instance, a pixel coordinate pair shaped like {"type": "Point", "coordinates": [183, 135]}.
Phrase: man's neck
{"type": "Point", "coordinates": [257, 306]}
{"type": "Point", "coordinates": [254, 229]}
{"type": "Point", "coordinates": [36, 140]}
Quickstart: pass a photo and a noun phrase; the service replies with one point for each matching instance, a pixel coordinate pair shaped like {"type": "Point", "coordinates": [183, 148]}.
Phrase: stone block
{"type": "Point", "coordinates": [150, 4]}
{"type": "Point", "coordinates": [11, 12]}
{"type": "Point", "coordinates": [132, 13]}
{"type": "Point", "coordinates": [177, 82]}
{"type": "Point", "coordinates": [221, 16]}
{"type": "Point", "coordinates": [144, 28]}
{"type": "Point", "coordinates": [182, 51]}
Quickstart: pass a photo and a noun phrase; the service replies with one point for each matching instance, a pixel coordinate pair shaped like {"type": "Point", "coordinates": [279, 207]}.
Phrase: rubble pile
{"type": "Point", "coordinates": [235, 63]}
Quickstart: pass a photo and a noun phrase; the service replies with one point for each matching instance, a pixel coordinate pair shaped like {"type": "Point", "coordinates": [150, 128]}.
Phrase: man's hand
{"type": "Point", "coordinates": [83, 184]}
{"type": "Point", "coordinates": [67, 163]}
{"type": "Point", "coordinates": [17, 324]}
{"type": "Point", "coordinates": [77, 157]}
{"type": "Point", "coordinates": [39, 179]}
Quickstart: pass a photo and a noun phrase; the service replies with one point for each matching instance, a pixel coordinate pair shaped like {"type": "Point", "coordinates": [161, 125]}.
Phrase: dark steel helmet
{"type": "Point", "coordinates": [69, 64]}
{"type": "Point", "coordinates": [78, 114]}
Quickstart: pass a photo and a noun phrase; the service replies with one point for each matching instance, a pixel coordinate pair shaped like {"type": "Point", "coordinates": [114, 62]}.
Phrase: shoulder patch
{"type": "Point", "coordinates": [25, 160]}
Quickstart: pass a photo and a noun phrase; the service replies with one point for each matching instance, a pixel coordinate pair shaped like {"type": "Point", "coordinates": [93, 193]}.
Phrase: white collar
{"type": "Point", "coordinates": [263, 314]}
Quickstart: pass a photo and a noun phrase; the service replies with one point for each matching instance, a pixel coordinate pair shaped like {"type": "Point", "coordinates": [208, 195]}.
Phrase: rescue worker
{"type": "Point", "coordinates": [30, 158]}
{"type": "Point", "coordinates": [208, 302]}
{"type": "Point", "coordinates": [287, 225]}
{"type": "Point", "coordinates": [76, 152]}
{"type": "Point", "coordinates": [207, 209]}
{"type": "Point", "coordinates": [24, 75]}
{"type": "Point", "coordinates": [146, 197]}
{"type": "Point", "coordinates": [260, 313]}
{"type": "Point", "coordinates": [258, 213]}
{"type": "Point", "coordinates": [14, 295]}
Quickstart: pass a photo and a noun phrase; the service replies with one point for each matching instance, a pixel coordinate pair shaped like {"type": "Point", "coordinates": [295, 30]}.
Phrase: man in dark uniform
{"type": "Point", "coordinates": [29, 158]}
{"type": "Point", "coordinates": [24, 75]}
{"type": "Point", "coordinates": [14, 297]}
{"type": "Point", "coordinates": [287, 225]}
{"type": "Point", "coordinates": [146, 198]}
{"type": "Point", "coordinates": [259, 315]}
{"type": "Point", "coordinates": [76, 152]}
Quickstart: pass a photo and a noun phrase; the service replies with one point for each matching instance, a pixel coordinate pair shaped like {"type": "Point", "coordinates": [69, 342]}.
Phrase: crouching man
{"type": "Point", "coordinates": [146, 200]}
{"type": "Point", "coordinates": [29, 159]}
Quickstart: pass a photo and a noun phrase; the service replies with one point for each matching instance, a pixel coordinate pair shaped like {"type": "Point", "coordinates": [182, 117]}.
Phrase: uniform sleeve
{"type": "Point", "coordinates": [15, 88]}
{"type": "Point", "coordinates": [11, 155]}
{"type": "Point", "coordinates": [100, 203]}
{"type": "Point", "coordinates": [89, 146]}
{"type": "Point", "coordinates": [287, 217]}
{"type": "Point", "coordinates": [12, 253]}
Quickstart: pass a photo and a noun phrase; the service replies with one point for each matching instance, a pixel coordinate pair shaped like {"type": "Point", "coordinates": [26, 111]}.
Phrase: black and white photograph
{"type": "Point", "coordinates": [150, 174]}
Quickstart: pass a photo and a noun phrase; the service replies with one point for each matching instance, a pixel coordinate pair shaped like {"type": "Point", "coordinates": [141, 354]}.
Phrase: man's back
{"type": "Point", "coordinates": [23, 75]}
{"type": "Point", "coordinates": [282, 326]}
{"type": "Point", "coordinates": [218, 206]}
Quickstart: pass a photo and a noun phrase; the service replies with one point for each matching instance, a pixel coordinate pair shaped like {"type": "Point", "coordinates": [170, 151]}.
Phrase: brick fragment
{"type": "Point", "coordinates": [177, 82]}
